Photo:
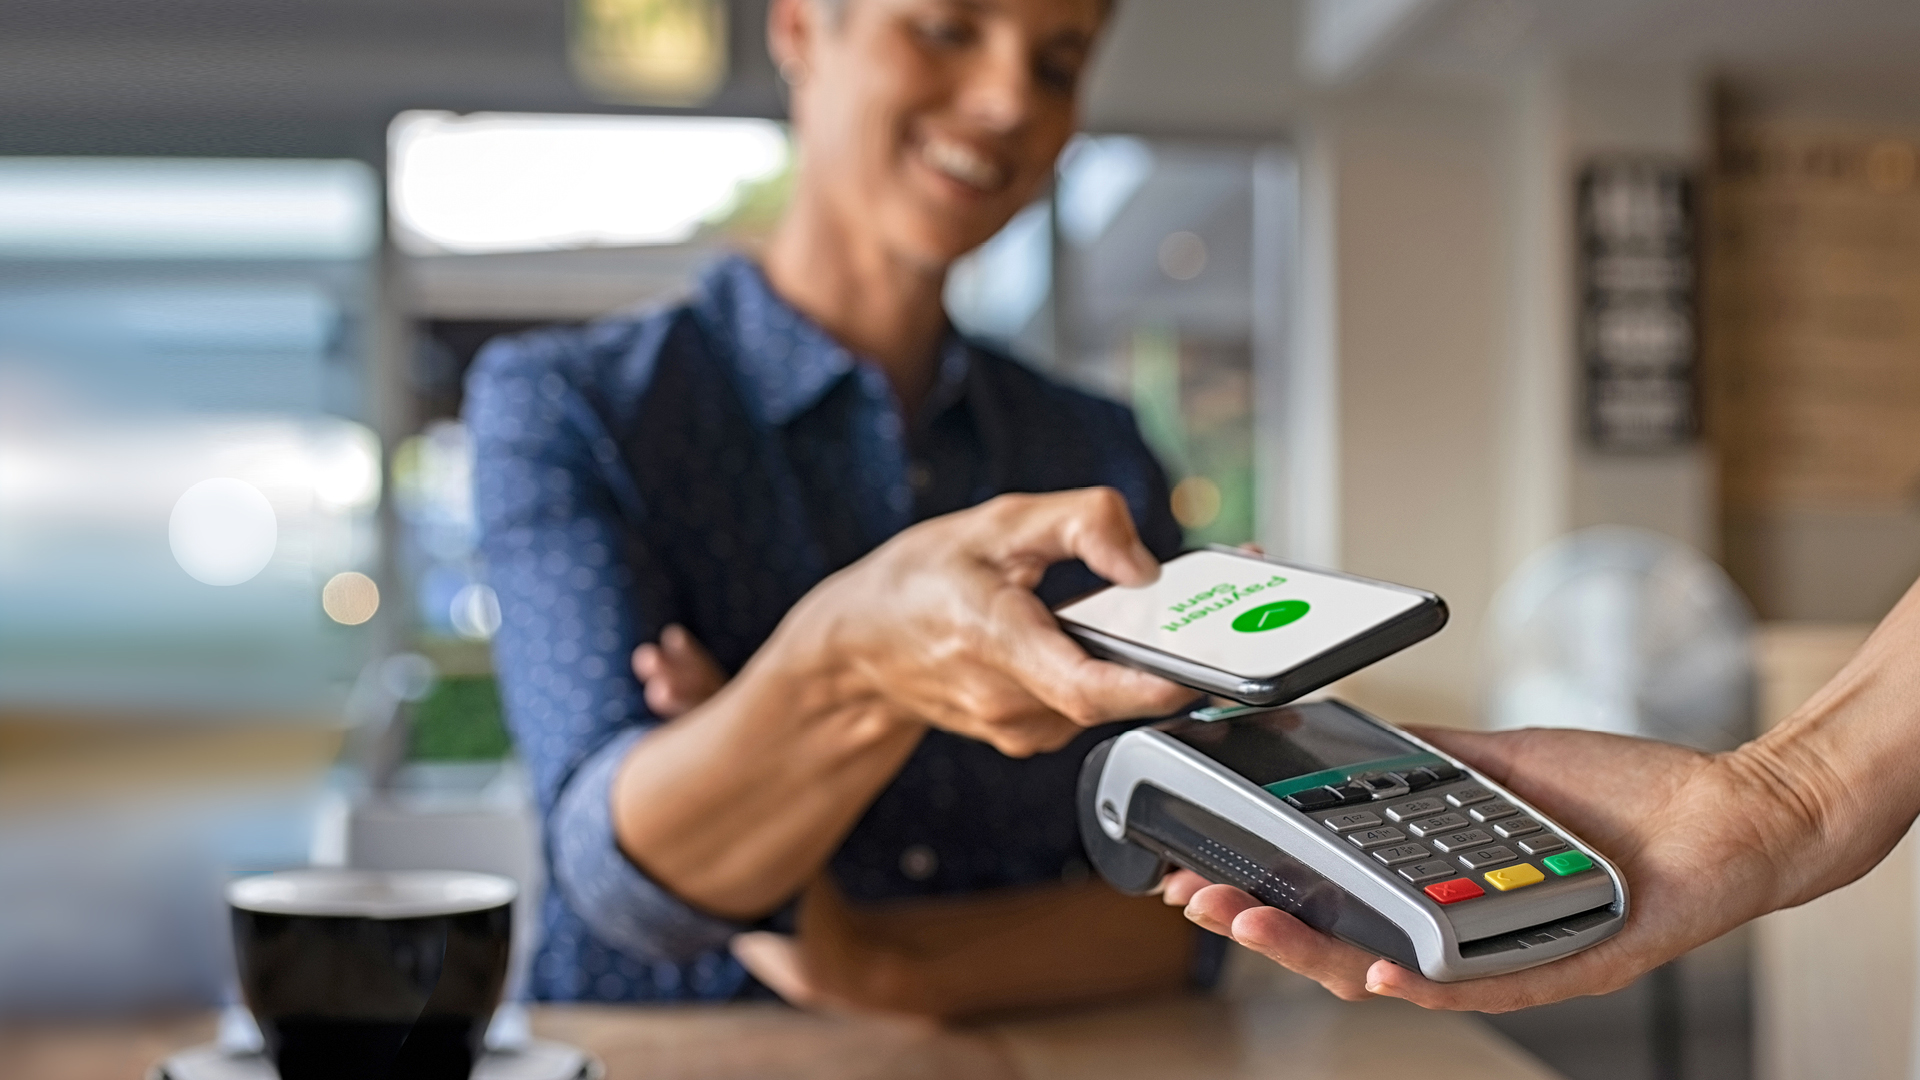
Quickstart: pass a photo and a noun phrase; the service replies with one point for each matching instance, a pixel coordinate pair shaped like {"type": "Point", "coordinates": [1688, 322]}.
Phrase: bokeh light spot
{"type": "Point", "coordinates": [1182, 256]}
{"type": "Point", "coordinates": [1196, 502]}
{"type": "Point", "coordinates": [222, 531]}
{"type": "Point", "coordinates": [475, 612]}
{"type": "Point", "coordinates": [350, 598]}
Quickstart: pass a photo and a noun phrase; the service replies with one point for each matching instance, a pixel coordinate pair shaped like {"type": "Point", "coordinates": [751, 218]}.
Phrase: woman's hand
{"type": "Point", "coordinates": [678, 674]}
{"type": "Point", "coordinates": [1705, 843]}
{"type": "Point", "coordinates": [832, 962]}
{"type": "Point", "coordinates": [940, 624]}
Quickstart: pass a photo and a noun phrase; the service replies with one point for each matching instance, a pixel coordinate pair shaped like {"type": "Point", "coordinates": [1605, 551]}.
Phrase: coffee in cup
{"type": "Point", "coordinates": [372, 974]}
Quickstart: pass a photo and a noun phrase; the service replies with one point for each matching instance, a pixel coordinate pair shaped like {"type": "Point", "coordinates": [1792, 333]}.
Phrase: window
{"type": "Point", "coordinates": [165, 323]}
{"type": "Point", "coordinates": [1154, 275]}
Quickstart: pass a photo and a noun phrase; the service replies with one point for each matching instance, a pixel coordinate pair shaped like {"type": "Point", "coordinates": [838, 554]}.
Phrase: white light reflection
{"type": "Point", "coordinates": [222, 531]}
{"type": "Point", "coordinates": [346, 468]}
{"type": "Point", "coordinates": [475, 612]}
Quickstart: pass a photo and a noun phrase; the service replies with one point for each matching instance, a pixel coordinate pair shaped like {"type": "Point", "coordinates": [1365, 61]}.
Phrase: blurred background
{"type": "Point", "coordinates": [1599, 318]}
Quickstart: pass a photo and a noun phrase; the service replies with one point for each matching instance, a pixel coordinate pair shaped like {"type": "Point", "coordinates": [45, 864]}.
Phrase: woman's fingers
{"type": "Point", "coordinates": [1177, 888]}
{"type": "Point", "coordinates": [679, 674]}
{"type": "Point", "coordinates": [1059, 673]}
{"type": "Point", "coordinates": [1283, 939]}
{"type": "Point", "coordinates": [775, 960]}
{"type": "Point", "coordinates": [1028, 533]}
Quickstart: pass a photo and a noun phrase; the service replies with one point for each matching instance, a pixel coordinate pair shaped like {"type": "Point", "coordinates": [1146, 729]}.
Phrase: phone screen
{"type": "Point", "coordinates": [1238, 614]}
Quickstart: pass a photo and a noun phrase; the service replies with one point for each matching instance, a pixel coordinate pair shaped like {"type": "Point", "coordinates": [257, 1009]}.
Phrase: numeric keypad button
{"type": "Point", "coordinates": [1401, 853]}
{"type": "Point", "coordinates": [1482, 857]}
{"type": "Point", "coordinates": [1461, 841]}
{"type": "Point", "coordinates": [1368, 839]}
{"type": "Point", "coordinates": [1348, 820]}
{"type": "Point", "coordinates": [1467, 796]}
{"type": "Point", "coordinates": [1437, 824]}
{"type": "Point", "coordinates": [1493, 811]}
{"type": "Point", "coordinates": [1421, 873]}
{"type": "Point", "coordinates": [1519, 826]}
{"type": "Point", "coordinates": [1415, 808]}
{"type": "Point", "coordinates": [1544, 844]}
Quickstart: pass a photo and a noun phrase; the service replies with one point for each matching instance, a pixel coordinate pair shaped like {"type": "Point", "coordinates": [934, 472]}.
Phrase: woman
{"type": "Point", "coordinates": [782, 493]}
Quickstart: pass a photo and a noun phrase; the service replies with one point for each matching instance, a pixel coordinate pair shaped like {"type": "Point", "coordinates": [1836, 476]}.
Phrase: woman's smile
{"type": "Point", "coordinates": [974, 172]}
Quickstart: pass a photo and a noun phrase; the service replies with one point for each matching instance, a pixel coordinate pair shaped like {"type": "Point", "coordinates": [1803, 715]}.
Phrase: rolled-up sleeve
{"type": "Point", "coordinates": [623, 906]}
{"type": "Point", "coordinates": [561, 532]}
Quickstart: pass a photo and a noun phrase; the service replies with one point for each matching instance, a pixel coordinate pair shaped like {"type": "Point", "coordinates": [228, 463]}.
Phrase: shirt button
{"type": "Point", "coordinates": [920, 475]}
{"type": "Point", "coordinates": [919, 862]}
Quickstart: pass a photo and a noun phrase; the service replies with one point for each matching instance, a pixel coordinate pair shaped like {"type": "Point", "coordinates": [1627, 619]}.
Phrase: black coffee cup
{"type": "Point", "coordinates": [361, 975]}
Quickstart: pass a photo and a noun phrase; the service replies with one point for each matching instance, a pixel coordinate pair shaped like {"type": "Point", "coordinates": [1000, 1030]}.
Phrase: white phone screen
{"type": "Point", "coordinates": [1238, 614]}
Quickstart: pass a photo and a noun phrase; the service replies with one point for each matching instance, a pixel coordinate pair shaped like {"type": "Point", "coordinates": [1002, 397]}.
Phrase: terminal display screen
{"type": "Point", "coordinates": [1282, 744]}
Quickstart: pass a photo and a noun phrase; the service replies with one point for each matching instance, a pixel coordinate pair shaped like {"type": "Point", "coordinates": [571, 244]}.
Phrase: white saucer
{"type": "Point", "coordinates": [537, 1060]}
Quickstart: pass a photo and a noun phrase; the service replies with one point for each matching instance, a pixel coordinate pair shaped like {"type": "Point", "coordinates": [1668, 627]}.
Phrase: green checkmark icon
{"type": "Point", "coordinates": [1270, 616]}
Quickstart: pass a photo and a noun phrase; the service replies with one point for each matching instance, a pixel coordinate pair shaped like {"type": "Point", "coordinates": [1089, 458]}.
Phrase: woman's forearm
{"type": "Point", "coordinates": [1842, 765]}
{"type": "Point", "coordinates": [735, 805]}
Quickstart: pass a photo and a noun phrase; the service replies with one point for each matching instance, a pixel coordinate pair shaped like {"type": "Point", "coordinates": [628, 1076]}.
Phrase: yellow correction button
{"type": "Point", "coordinates": [1508, 878]}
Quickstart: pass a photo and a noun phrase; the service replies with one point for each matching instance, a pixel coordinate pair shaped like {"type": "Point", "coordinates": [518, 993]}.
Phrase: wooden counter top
{"type": "Point", "coordinates": [1295, 1032]}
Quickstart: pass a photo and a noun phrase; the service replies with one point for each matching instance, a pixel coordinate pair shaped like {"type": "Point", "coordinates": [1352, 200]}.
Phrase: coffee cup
{"type": "Point", "coordinates": [370, 974]}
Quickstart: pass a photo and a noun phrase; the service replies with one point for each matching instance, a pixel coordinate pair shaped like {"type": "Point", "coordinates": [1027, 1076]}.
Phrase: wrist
{"type": "Point", "coordinates": [1798, 805]}
{"type": "Point", "coordinates": [1837, 806]}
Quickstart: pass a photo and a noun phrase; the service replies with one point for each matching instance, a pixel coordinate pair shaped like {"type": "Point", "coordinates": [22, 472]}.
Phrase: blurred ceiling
{"type": "Point", "coordinates": [1868, 45]}
{"type": "Point", "coordinates": [306, 76]}
{"type": "Point", "coordinates": [245, 76]}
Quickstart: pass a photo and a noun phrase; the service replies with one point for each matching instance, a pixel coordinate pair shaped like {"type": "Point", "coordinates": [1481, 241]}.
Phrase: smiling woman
{"type": "Point", "coordinates": [924, 128]}
{"type": "Point", "coordinates": [772, 647]}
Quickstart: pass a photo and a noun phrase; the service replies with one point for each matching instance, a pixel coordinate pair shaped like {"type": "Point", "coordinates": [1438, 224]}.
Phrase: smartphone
{"type": "Point", "coordinates": [1251, 628]}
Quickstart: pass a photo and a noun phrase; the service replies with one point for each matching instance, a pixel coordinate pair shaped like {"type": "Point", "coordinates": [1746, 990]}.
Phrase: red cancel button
{"type": "Point", "coordinates": [1452, 892]}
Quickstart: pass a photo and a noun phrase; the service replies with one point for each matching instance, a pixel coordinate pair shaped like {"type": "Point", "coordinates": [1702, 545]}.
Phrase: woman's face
{"type": "Point", "coordinates": [929, 123]}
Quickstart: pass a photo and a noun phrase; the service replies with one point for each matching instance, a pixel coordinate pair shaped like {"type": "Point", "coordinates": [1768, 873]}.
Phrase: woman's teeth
{"type": "Point", "coordinates": [962, 164]}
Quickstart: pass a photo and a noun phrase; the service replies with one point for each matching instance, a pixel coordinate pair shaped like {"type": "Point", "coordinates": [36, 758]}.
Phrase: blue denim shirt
{"type": "Point", "coordinates": [708, 464]}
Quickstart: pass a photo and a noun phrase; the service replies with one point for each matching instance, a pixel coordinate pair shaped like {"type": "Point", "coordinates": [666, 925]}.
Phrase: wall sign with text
{"type": "Point", "coordinates": [1638, 339]}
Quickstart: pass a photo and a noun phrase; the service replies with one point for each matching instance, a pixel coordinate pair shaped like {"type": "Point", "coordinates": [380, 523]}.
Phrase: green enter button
{"type": "Point", "coordinates": [1568, 863]}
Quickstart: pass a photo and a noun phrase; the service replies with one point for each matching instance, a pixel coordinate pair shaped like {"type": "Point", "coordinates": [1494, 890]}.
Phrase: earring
{"type": "Point", "coordinates": [792, 71]}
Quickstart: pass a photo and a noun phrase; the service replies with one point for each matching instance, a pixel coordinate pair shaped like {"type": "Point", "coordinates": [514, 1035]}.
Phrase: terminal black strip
{"type": "Point", "coordinates": [1223, 852]}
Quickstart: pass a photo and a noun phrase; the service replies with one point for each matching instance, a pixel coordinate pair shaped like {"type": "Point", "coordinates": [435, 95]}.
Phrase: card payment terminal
{"type": "Point", "coordinates": [1356, 828]}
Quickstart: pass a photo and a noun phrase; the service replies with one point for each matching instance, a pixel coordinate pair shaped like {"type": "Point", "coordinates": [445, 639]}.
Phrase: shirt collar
{"type": "Point", "coordinates": [785, 360]}
{"type": "Point", "coordinates": [950, 383]}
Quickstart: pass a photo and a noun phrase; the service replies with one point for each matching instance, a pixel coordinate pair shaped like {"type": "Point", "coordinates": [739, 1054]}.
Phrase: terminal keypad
{"type": "Point", "coordinates": [1453, 834]}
